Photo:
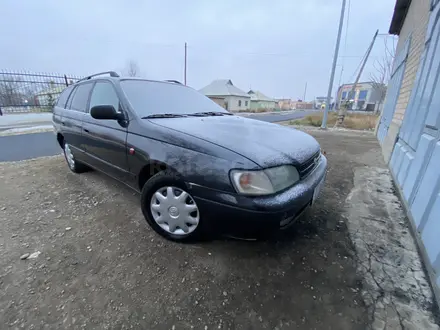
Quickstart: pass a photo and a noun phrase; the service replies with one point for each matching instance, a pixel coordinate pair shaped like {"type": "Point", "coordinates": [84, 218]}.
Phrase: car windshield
{"type": "Point", "coordinates": [149, 98]}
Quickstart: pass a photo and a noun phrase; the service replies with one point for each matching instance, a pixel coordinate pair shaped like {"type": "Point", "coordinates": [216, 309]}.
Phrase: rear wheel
{"type": "Point", "coordinates": [72, 163]}
{"type": "Point", "coordinates": [171, 210]}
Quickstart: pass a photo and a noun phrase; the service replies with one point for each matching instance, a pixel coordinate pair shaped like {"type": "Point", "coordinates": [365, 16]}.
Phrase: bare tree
{"type": "Point", "coordinates": [383, 70]}
{"type": "Point", "coordinates": [132, 69]}
{"type": "Point", "coordinates": [10, 93]}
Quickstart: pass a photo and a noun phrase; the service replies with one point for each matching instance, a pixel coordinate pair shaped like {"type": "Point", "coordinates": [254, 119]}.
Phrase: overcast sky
{"type": "Point", "coordinates": [272, 46]}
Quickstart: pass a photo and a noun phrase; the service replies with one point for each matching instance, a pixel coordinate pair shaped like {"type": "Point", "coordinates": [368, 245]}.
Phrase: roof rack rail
{"type": "Point", "coordinates": [174, 81]}
{"type": "Point", "coordinates": [112, 74]}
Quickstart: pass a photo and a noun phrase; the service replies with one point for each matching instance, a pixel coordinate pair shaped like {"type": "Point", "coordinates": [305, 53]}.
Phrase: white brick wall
{"type": "Point", "coordinates": [415, 27]}
{"type": "Point", "coordinates": [233, 103]}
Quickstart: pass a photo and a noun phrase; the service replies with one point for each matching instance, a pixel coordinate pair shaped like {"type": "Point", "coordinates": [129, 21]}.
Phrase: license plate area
{"type": "Point", "coordinates": [318, 190]}
{"type": "Point", "coordinates": [286, 221]}
{"type": "Point", "coordinates": [291, 218]}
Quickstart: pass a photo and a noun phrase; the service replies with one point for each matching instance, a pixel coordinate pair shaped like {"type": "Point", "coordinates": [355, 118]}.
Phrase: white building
{"type": "Point", "coordinates": [224, 93]}
{"type": "Point", "coordinates": [259, 101]}
{"type": "Point", "coordinates": [366, 96]}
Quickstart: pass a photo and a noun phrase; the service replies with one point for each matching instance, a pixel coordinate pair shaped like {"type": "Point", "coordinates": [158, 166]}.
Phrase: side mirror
{"type": "Point", "coordinates": [104, 112]}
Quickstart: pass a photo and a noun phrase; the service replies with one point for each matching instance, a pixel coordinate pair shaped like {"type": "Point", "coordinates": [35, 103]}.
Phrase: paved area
{"type": "Point", "coordinates": [96, 264]}
{"type": "Point", "coordinates": [9, 121]}
{"type": "Point", "coordinates": [27, 146]}
{"type": "Point", "coordinates": [281, 116]}
{"type": "Point", "coordinates": [395, 288]}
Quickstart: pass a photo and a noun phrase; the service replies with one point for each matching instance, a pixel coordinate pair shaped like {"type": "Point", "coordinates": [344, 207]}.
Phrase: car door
{"type": "Point", "coordinates": [106, 140]}
{"type": "Point", "coordinates": [72, 119]}
{"type": "Point", "coordinates": [60, 108]}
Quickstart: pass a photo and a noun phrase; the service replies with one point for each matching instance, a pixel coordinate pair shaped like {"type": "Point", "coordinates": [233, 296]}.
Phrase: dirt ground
{"type": "Point", "coordinates": [102, 267]}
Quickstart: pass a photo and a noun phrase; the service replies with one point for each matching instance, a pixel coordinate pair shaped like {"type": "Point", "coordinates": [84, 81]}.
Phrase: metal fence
{"type": "Point", "coordinates": [23, 91]}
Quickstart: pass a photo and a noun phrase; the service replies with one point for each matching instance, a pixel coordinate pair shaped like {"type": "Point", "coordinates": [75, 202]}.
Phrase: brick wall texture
{"type": "Point", "coordinates": [415, 27]}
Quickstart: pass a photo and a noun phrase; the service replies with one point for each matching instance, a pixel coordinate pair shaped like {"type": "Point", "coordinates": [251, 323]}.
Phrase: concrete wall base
{"type": "Point", "coordinates": [389, 141]}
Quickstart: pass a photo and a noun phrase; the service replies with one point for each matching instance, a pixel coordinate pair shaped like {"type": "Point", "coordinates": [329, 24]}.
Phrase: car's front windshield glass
{"type": "Point", "coordinates": [155, 98]}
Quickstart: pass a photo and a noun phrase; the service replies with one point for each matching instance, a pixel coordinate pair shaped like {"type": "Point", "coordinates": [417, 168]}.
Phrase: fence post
{"type": "Point", "coordinates": [65, 79]}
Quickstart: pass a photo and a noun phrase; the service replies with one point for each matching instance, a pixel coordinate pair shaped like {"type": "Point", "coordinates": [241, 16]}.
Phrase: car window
{"type": "Point", "coordinates": [151, 97]}
{"type": "Point", "coordinates": [64, 96]}
{"type": "Point", "coordinates": [80, 98]}
{"type": "Point", "coordinates": [69, 100]}
{"type": "Point", "coordinates": [104, 94]}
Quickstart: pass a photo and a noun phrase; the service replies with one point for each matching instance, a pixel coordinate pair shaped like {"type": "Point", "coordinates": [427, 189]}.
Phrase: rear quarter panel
{"type": "Point", "coordinates": [56, 119]}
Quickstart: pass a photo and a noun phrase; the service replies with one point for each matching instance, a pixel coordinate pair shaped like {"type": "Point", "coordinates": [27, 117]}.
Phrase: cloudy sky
{"type": "Point", "coordinates": [272, 46]}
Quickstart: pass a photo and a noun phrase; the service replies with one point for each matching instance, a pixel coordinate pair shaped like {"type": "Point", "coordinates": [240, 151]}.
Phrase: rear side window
{"type": "Point", "coordinates": [80, 98]}
{"type": "Point", "coordinates": [104, 94]}
{"type": "Point", "coordinates": [64, 96]}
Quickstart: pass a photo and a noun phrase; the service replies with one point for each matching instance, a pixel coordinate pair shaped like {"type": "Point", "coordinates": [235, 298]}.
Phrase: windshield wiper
{"type": "Point", "coordinates": [210, 113]}
{"type": "Point", "coordinates": [164, 115]}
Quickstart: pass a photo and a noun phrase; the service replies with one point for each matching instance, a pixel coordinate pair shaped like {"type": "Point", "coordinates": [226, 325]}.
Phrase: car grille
{"type": "Point", "coordinates": [307, 167]}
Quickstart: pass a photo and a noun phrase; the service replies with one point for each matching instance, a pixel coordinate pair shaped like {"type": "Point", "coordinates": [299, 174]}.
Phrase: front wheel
{"type": "Point", "coordinates": [170, 210]}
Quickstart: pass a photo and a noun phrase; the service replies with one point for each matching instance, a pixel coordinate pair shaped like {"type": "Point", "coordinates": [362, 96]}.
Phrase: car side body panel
{"type": "Point", "coordinates": [57, 117]}
{"type": "Point", "coordinates": [198, 161]}
{"type": "Point", "coordinates": [71, 127]}
{"type": "Point", "coordinates": [106, 147]}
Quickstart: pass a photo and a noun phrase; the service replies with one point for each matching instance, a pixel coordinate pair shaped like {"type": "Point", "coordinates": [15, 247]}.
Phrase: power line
{"type": "Point", "coordinates": [358, 67]}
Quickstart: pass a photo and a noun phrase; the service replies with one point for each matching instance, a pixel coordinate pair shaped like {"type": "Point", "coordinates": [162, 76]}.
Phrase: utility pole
{"type": "Point", "coordinates": [305, 92]}
{"type": "Point", "coordinates": [332, 75]}
{"type": "Point", "coordinates": [343, 109]}
{"type": "Point", "coordinates": [186, 57]}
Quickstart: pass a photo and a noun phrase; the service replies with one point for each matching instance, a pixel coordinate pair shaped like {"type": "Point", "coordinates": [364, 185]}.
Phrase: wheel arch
{"type": "Point", "coordinates": [60, 139]}
{"type": "Point", "coordinates": [151, 169]}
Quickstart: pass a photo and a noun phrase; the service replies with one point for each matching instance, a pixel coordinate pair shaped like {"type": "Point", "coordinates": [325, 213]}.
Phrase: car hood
{"type": "Point", "coordinates": [264, 143]}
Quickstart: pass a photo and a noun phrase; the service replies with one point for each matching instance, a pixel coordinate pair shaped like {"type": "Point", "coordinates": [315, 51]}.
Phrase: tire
{"type": "Point", "coordinates": [160, 183]}
{"type": "Point", "coordinates": [72, 163]}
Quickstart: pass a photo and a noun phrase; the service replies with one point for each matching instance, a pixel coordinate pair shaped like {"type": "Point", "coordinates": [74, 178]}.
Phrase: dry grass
{"type": "Point", "coordinates": [352, 120]}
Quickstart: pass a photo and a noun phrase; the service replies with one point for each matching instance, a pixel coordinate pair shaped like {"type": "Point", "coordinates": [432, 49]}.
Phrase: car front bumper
{"type": "Point", "coordinates": [245, 214]}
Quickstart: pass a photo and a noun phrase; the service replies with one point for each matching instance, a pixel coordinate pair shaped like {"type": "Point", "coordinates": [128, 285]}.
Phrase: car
{"type": "Point", "coordinates": [200, 170]}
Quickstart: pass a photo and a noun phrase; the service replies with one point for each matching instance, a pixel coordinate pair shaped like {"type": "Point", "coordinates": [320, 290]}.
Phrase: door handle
{"type": "Point", "coordinates": [86, 130]}
{"type": "Point", "coordinates": [64, 123]}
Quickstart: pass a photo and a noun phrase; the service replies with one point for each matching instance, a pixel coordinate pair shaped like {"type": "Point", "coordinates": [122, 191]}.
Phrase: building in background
{"type": "Point", "coordinates": [285, 104]}
{"type": "Point", "coordinates": [367, 96]}
{"type": "Point", "coordinates": [320, 102]}
{"type": "Point", "coordinates": [49, 96]}
{"type": "Point", "coordinates": [259, 101]}
{"type": "Point", "coordinates": [409, 126]}
{"type": "Point", "coordinates": [301, 105]}
{"type": "Point", "coordinates": [224, 93]}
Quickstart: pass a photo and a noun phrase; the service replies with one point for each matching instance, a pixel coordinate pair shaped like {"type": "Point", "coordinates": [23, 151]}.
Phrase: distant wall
{"type": "Point", "coordinates": [233, 103]}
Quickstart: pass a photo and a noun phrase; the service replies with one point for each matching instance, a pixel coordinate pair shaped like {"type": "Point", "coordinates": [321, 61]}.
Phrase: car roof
{"type": "Point", "coordinates": [113, 76]}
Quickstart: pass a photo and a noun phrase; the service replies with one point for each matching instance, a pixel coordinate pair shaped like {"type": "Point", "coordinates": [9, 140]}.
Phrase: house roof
{"type": "Point", "coordinates": [222, 87]}
{"type": "Point", "coordinates": [258, 96]}
{"type": "Point", "coordinates": [400, 11]}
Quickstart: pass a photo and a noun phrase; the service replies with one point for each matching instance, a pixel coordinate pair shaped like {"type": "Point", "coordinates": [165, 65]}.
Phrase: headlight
{"type": "Point", "coordinates": [264, 182]}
